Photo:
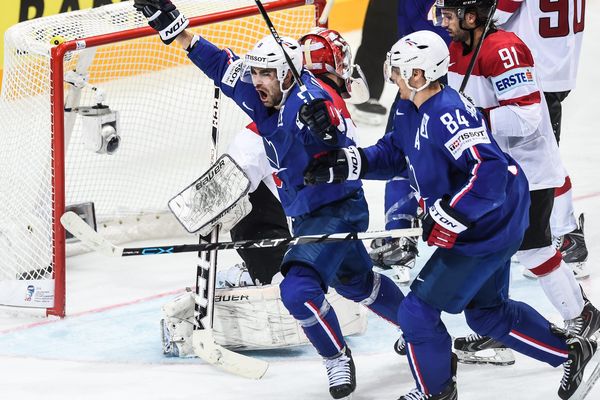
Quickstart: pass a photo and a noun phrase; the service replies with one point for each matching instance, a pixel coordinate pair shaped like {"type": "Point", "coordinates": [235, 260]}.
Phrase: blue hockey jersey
{"type": "Point", "coordinates": [289, 144]}
{"type": "Point", "coordinates": [446, 150]}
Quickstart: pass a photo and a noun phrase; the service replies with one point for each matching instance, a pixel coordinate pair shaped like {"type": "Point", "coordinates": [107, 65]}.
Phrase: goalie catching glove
{"type": "Point", "coordinates": [442, 224]}
{"type": "Point", "coordinates": [164, 17]}
{"type": "Point", "coordinates": [335, 166]}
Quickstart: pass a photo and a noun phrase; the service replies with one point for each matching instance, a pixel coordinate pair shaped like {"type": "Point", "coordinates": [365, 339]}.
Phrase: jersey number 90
{"type": "Point", "coordinates": [558, 25]}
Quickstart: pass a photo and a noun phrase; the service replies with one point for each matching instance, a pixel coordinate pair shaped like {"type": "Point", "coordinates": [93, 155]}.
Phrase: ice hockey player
{"type": "Point", "coordinates": [556, 49]}
{"type": "Point", "coordinates": [504, 84]}
{"type": "Point", "coordinates": [477, 204]}
{"type": "Point", "coordinates": [297, 121]}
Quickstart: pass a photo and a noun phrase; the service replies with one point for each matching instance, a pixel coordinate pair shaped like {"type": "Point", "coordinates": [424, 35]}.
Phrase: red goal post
{"type": "Point", "coordinates": [119, 62]}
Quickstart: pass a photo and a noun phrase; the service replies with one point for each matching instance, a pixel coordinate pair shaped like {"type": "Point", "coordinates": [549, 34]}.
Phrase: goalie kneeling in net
{"type": "Point", "coordinates": [249, 313]}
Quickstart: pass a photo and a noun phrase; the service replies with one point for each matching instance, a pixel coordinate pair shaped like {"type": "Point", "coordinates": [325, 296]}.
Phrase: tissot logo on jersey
{"type": "Point", "coordinates": [512, 79]}
{"type": "Point", "coordinates": [233, 73]}
{"type": "Point", "coordinates": [466, 139]}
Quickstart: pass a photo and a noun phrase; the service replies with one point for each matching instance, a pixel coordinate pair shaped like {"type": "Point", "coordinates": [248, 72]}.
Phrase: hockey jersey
{"type": "Point", "coordinates": [447, 152]}
{"type": "Point", "coordinates": [553, 30]}
{"type": "Point", "coordinates": [289, 144]}
{"type": "Point", "coordinates": [505, 84]}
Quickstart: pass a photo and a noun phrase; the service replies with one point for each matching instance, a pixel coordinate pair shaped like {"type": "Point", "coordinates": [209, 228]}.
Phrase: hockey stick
{"type": "Point", "coordinates": [478, 48]}
{"type": "Point", "coordinates": [203, 340]}
{"type": "Point", "coordinates": [74, 224]}
{"type": "Point", "coordinates": [267, 19]}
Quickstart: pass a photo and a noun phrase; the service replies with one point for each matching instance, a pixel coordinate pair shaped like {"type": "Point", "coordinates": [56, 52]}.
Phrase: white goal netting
{"type": "Point", "coordinates": [164, 107]}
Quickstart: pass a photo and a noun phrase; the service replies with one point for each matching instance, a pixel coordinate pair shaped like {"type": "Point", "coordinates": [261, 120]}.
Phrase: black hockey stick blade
{"type": "Point", "coordinates": [78, 228]}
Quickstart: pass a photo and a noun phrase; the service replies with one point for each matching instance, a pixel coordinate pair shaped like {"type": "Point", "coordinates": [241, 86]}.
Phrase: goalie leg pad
{"type": "Point", "coordinates": [177, 325]}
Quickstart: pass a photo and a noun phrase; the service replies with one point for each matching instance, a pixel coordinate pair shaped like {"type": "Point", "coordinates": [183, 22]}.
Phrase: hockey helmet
{"type": "Point", "coordinates": [461, 6]}
{"type": "Point", "coordinates": [268, 54]}
{"type": "Point", "coordinates": [423, 50]}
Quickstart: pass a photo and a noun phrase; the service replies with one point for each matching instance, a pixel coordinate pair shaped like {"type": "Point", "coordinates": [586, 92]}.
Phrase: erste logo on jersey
{"type": "Point", "coordinates": [466, 139]}
{"type": "Point", "coordinates": [512, 79]}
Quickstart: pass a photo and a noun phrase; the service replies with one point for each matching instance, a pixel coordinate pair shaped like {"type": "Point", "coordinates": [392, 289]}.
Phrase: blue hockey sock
{"type": "Point", "coordinates": [303, 296]}
{"type": "Point", "coordinates": [428, 344]}
{"type": "Point", "coordinates": [520, 327]}
{"type": "Point", "coordinates": [375, 291]}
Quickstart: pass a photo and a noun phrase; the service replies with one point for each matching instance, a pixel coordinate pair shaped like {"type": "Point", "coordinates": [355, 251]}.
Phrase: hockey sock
{"type": "Point", "coordinates": [303, 296]}
{"type": "Point", "coordinates": [521, 328]}
{"type": "Point", "coordinates": [428, 344]}
{"type": "Point", "coordinates": [556, 278]}
{"type": "Point", "coordinates": [562, 219]}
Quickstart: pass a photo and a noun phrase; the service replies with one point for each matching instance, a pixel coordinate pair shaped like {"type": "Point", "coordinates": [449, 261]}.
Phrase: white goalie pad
{"type": "Point", "coordinates": [250, 318]}
{"type": "Point", "coordinates": [219, 196]}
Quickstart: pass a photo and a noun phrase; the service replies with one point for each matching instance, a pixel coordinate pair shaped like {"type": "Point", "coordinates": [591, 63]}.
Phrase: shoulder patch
{"type": "Point", "coordinates": [233, 73]}
{"type": "Point", "coordinates": [466, 139]}
{"type": "Point", "coordinates": [512, 79]}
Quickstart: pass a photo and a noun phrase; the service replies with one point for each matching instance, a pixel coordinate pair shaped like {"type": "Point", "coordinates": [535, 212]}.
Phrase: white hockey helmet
{"type": "Point", "coordinates": [423, 50]}
{"type": "Point", "coordinates": [267, 54]}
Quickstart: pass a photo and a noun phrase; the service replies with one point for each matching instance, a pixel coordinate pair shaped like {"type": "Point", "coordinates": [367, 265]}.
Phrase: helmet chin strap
{"type": "Point", "coordinates": [414, 91]}
{"type": "Point", "coordinates": [284, 93]}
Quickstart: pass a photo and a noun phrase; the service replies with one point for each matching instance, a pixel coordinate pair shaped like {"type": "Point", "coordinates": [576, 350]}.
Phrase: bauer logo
{"type": "Point", "coordinates": [233, 73]}
{"type": "Point", "coordinates": [466, 139]}
{"type": "Point", "coordinates": [210, 174]}
{"type": "Point", "coordinates": [231, 297]}
{"type": "Point", "coordinates": [513, 79]}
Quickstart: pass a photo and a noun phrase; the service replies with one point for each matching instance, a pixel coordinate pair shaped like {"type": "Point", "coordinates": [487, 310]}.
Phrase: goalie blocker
{"type": "Point", "coordinates": [218, 197]}
{"type": "Point", "coordinates": [249, 318]}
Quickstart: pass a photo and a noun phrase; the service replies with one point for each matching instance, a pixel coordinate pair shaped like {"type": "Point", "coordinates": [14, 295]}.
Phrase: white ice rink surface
{"type": "Point", "coordinates": [109, 345]}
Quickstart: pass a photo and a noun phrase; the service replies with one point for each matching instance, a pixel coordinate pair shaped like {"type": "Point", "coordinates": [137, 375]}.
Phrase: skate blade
{"type": "Point", "coordinates": [590, 377]}
{"type": "Point", "coordinates": [501, 357]}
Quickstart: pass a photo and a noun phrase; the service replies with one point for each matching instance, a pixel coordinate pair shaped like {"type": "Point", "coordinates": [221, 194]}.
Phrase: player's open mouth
{"type": "Point", "coordinates": [263, 95]}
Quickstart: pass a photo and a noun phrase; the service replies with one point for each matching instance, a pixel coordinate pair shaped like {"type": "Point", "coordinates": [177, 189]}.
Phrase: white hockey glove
{"type": "Point", "coordinates": [177, 325]}
{"type": "Point", "coordinates": [218, 197]}
{"type": "Point", "coordinates": [164, 17]}
{"type": "Point", "coordinates": [230, 218]}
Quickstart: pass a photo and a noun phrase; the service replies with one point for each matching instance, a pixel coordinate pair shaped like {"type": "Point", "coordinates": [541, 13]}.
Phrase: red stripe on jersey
{"type": "Point", "coordinates": [527, 100]}
{"type": "Point", "coordinates": [338, 102]}
{"type": "Point", "coordinates": [509, 6]}
{"type": "Point", "coordinates": [252, 126]}
{"type": "Point", "coordinates": [564, 188]}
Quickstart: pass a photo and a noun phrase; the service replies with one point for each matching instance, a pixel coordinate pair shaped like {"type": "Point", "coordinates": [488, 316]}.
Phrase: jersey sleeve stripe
{"type": "Point", "coordinates": [472, 180]}
{"type": "Point", "coordinates": [526, 100]}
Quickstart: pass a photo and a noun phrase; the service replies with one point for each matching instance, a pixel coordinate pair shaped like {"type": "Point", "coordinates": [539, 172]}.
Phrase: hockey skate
{"type": "Point", "coordinates": [395, 257]}
{"type": "Point", "coordinates": [587, 323]}
{"type": "Point", "coordinates": [574, 251]}
{"type": "Point", "coordinates": [449, 393]}
{"type": "Point", "coordinates": [400, 346]}
{"type": "Point", "coordinates": [477, 349]}
{"type": "Point", "coordinates": [234, 276]}
{"type": "Point", "coordinates": [370, 112]}
{"type": "Point", "coordinates": [583, 357]}
{"type": "Point", "coordinates": [341, 374]}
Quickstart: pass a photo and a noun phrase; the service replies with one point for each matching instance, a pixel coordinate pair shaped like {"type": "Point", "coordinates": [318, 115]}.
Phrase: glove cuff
{"type": "Point", "coordinates": [179, 23]}
{"type": "Point", "coordinates": [444, 215]}
{"type": "Point", "coordinates": [354, 158]}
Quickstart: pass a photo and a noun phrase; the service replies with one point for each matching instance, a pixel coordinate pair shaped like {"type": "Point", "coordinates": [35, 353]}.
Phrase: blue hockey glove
{"type": "Point", "coordinates": [335, 166]}
{"type": "Point", "coordinates": [163, 17]}
{"type": "Point", "coordinates": [322, 119]}
{"type": "Point", "coordinates": [442, 224]}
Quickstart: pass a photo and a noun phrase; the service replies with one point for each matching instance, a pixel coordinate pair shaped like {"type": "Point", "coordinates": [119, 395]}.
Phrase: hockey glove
{"type": "Point", "coordinates": [322, 119]}
{"type": "Point", "coordinates": [163, 17]}
{"type": "Point", "coordinates": [335, 166]}
{"type": "Point", "coordinates": [442, 224]}
{"type": "Point", "coordinates": [387, 252]}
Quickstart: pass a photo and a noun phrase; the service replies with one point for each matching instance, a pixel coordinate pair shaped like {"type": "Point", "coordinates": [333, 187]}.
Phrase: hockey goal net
{"type": "Point", "coordinates": [163, 108]}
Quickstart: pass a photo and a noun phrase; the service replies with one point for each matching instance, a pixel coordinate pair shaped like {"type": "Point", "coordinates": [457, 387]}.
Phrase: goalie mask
{"type": "Point", "coordinates": [326, 51]}
{"type": "Point", "coordinates": [424, 50]}
{"type": "Point", "coordinates": [267, 54]}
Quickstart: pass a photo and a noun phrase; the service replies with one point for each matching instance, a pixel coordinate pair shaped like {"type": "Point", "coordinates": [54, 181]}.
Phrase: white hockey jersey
{"type": "Point", "coordinates": [504, 83]}
{"type": "Point", "coordinates": [553, 30]}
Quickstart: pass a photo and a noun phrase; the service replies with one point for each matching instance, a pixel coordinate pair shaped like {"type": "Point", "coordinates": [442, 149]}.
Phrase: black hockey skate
{"type": "Point", "coordinates": [582, 351]}
{"type": "Point", "coordinates": [574, 251]}
{"type": "Point", "coordinates": [472, 349]}
{"type": "Point", "coordinates": [395, 257]}
{"type": "Point", "coordinates": [449, 393]}
{"type": "Point", "coordinates": [341, 375]}
{"type": "Point", "coordinates": [370, 112]}
{"type": "Point", "coordinates": [400, 346]}
{"type": "Point", "coordinates": [587, 323]}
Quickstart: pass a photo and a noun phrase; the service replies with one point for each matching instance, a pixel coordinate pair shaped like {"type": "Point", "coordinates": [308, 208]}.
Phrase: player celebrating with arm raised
{"type": "Point", "coordinates": [477, 203]}
{"type": "Point", "coordinates": [297, 121]}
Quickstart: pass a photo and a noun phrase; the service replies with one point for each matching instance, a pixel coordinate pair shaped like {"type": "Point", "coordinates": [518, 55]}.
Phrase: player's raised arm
{"type": "Point", "coordinates": [164, 17]}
